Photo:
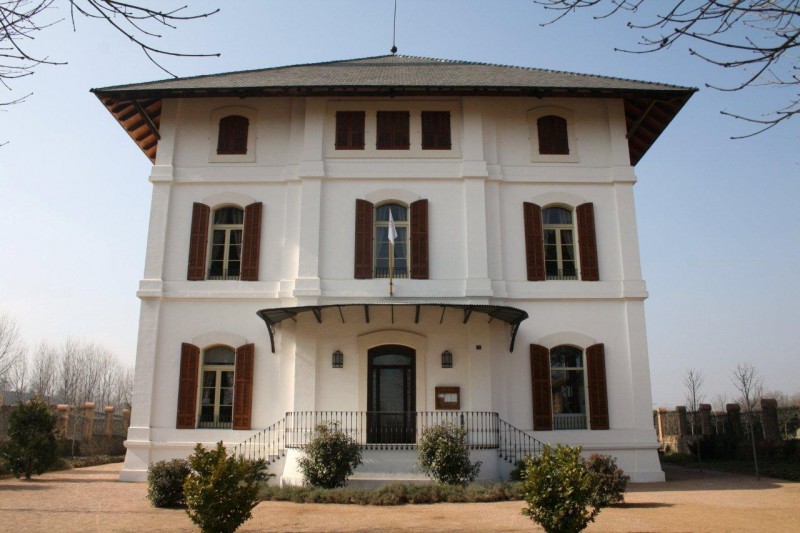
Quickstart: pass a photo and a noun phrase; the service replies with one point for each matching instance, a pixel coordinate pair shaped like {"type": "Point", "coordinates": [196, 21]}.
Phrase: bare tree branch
{"type": "Point", "coordinates": [760, 38]}
{"type": "Point", "coordinates": [749, 383]}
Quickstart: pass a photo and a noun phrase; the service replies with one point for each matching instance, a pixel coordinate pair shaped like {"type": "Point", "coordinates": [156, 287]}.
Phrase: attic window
{"type": "Point", "coordinates": [232, 135]}
{"type": "Point", "coordinates": [436, 130]}
{"type": "Point", "coordinates": [553, 135]}
{"type": "Point", "coordinates": [350, 130]}
{"type": "Point", "coordinates": [393, 130]}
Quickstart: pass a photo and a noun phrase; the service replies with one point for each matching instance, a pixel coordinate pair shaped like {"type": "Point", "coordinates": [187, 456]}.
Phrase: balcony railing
{"type": "Point", "coordinates": [383, 272]}
{"type": "Point", "coordinates": [223, 274]}
{"type": "Point", "coordinates": [563, 274]}
{"type": "Point", "coordinates": [393, 430]}
{"type": "Point", "coordinates": [569, 421]}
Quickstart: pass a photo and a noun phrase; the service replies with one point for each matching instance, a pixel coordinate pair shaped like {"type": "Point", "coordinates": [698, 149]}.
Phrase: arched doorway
{"type": "Point", "coordinates": [391, 395]}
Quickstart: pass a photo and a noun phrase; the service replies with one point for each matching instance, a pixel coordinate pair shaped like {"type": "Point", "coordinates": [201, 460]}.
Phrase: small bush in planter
{"type": "Point", "coordinates": [443, 454]}
{"type": "Point", "coordinates": [331, 457]}
{"type": "Point", "coordinates": [560, 490]}
{"type": "Point", "coordinates": [221, 490]}
{"type": "Point", "coordinates": [611, 480]}
{"type": "Point", "coordinates": [165, 483]}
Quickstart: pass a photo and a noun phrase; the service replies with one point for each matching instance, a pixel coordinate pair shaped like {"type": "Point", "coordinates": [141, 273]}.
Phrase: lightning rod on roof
{"type": "Point", "coordinates": [394, 29]}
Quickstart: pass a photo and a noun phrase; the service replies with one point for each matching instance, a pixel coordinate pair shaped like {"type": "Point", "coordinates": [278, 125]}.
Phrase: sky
{"type": "Point", "coordinates": [719, 219]}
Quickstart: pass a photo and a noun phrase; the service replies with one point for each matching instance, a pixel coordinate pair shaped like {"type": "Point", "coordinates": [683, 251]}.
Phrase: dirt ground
{"type": "Point", "coordinates": [91, 499]}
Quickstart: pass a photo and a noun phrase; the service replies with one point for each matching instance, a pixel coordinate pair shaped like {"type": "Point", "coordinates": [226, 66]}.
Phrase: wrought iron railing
{"type": "Point", "coordinates": [390, 431]}
{"type": "Point", "coordinates": [515, 444]}
{"type": "Point", "coordinates": [383, 272]}
{"type": "Point", "coordinates": [393, 430]}
{"type": "Point", "coordinates": [223, 274]}
{"type": "Point", "coordinates": [569, 274]}
{"type": "Point", "coordinates": [268, 444]}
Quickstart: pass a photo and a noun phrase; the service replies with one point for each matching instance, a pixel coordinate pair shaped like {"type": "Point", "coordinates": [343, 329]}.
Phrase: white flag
{"type": "Point", "coordinates": [392, 229]}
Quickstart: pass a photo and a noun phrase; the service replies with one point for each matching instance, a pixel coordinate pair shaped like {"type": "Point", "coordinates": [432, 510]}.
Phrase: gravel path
{"type": "Point", "coordinates": [90, 499]}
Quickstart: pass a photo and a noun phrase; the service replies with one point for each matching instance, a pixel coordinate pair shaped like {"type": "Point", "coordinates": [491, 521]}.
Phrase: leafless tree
{"type": "Point", "coordinates": [11, 346]}
{"type": "Point", "coordinates": [693, 383]}
{"type": "Point", "coordinates": [748, 382]}
{"type": "Point", "coordinates": [22, 21]}
{"type": "Point", "coordinates": [719, 402]}
{"type": "Point", "coordinates": [124, 393]}
{"type": "Point", "coordinates": [17, 377]}
{"type": "Point", "coordinates": [759, 38]}
{"type": "Point", "coordinates": [43, 375]}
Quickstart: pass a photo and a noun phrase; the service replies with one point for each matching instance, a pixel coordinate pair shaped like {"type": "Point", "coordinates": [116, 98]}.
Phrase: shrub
{"type": "Point", "coordinates": [560, 490]}
{"type": "Point", "coordinates": [331, 457]}
{"type": "Point", "coordinates": [165, 483]}
{"type": "Point", "coordinates": [221, 490]}
{"type": "Point", "coordinates": [443, 454]}
{"type": "Point", "coordinates": [31, 446]}
{"type": "Point", "coordinates": [611, 480]}
{"type": "Point", "coordinates": [517, 471]}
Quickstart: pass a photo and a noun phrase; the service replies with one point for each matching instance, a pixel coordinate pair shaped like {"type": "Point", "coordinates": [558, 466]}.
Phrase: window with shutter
{"type": "Point", "coordinates": [587, 242]}
{"type": "Point", "coordinates": [419, 239]}
{"type": "Point", "coordinates": [350, 130]}
{"type": "Point", "coordinates": [198, 241]}
{"type": "Point", "coordinates": [243, 389]}
{"type": "Point", "coordinates": [436, 130]}
{"type": "Point", "coordinates": [251, 246]}
{"type": "Point", "coordinates": [534, 243]}
{"type": "Point", "coordinates": [568, 387]}
{"type": "Point", "coordinates": [227, 233]}
{"type": "Point", "coordinates": [232, 135]}
{"type": "Point", "coordinates": [553, 137]}
{"type": "Point", "coordinates": [187, 386]}
{"type": "Point", "coordinates": [598, 388]}
{"type": "Point", "coordinates": [363, 239]}
{"type": "Point", "coordinates": [384, 254]}
{"type": "Point", "coordinates": [393, 130]}
{"type": "Point", "coordinates": [559, 243]}
{"type": "Point", "coordinates": [217, 388]}
{"type": "Point", "coordinates": [540, 388]}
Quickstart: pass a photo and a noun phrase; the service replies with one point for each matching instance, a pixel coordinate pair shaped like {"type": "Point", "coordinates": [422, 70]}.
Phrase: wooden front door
{"type": "Point", "coordinates": [391, 395]}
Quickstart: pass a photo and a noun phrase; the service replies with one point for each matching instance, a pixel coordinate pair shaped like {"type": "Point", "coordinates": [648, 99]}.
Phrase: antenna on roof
{"type": "Point", "coordinates": [394, 29]}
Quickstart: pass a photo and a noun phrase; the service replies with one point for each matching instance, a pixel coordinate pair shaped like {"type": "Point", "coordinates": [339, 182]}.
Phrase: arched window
{"type": "Point", "coordinates": [559, 243]}
{"type": "Point", "coordinates": [383, 247]}
{"type": "Point", "coordinates": [216, 394]}
{"type": "Point", "coordinates": [553, 135]}
{"type": "Point", "coordinates": [568, 387]}
{"type": "Point", "coordinates": [226, 243]}
{"type": "Point", "coordinates": [232, 135]}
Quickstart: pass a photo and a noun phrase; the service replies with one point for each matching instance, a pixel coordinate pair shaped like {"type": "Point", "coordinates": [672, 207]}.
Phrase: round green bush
{"type": "Point", "coordinates": [611, 480]}
{"type": "Point", "coordinates": [443, 454]}
{"type": "Point", "coordinates": [331, 457]}
{"type": "Point", "coordinates": [165, 483]}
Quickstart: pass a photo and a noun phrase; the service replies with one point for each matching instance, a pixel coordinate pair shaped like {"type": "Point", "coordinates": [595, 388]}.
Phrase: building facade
{"type": "Point", "coordinates": [511, 301]}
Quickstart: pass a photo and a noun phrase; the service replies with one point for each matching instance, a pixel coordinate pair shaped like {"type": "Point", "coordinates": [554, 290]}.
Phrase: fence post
{"type": "Point", "coordinates": [660, 414]}
{"type": "Point", "coordinates": [126, 420]}
{"type": "Point", "coordinates": [88, 422]}
{"type": "Point", "coordinates": [705, 419]}
{"type": "Point", "coordinates": [109, 427]}
{"type": "Point", "coordinates": [683, 423]}
{"type": "Point", "coordinates": [734, 419]}
{"type": "Point", "coordinates": [769, 420]}
{"type": "Point", "coordinates": [63, 419]}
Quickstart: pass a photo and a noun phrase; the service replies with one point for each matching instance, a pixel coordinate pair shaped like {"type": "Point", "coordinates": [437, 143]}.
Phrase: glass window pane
{"type": "Point", "coordinates": [566, 357]}
{"type": "Point", "coordinates": [550, 253]}
{"type": "Point", "coordinates": [229, 215]}
{"type": "Point", "coordinates": [225, 414]}
{"type": "Point", "coordinates": [399, 213]}
{"type": "Point", "coordinates": [556, 215]}
{"type": "Point", "coordinates": [209, 378]}
{"type": "Point", "coordinates": [549, 236]}
{"type": "Point", "coordinates": [391, 360]}
{"type": "Point", "coordinates": [226, 397]}
{"type": "Point", "coordinates": [219, 355]}
{"type": "Point", "coordinates": [207, 414]}
{"type": "Point", "coordinates": [566, 236]}
{"type": "Point", "coordinates": [219, 237]}
{"type": "Point", "coordinates": [227, 379]}
{"type": "Point", "coordinates": [208, 396]}
{"type": "Point", "coordinates": [567, 253]}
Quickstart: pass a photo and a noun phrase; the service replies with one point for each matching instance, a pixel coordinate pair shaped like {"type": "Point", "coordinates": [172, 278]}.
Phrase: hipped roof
{"type": "Point", "coordinates": [649, 107]}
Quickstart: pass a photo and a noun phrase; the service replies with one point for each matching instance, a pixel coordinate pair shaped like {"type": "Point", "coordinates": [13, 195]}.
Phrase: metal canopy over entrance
{"type": "Point", "coordinates": [510, 315]}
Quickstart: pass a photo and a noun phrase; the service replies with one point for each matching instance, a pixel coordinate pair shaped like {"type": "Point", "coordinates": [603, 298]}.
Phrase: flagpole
{"type": "Point", "coordinates": [391, 268]}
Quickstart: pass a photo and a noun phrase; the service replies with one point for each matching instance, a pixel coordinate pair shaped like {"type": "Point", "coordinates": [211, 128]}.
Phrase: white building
{"type": "Point", "coordinates": [517, 296]}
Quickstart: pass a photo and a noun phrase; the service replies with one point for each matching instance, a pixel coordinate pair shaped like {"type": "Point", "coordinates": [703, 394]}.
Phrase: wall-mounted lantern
{"type": "Point", "coordinates": [447, 359]}
{"type": "Point", "coordinates": [338, 359]}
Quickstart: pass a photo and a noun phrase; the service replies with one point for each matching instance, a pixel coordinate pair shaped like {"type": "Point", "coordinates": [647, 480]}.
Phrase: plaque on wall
{"type": "Point", "coordinates": [448, 398]}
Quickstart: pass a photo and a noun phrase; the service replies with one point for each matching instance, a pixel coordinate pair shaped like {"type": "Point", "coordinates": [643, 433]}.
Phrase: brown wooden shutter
{"type": "Point", "coordinates": [251, 242]}
{"type": "Point", "coordinates": [419, 239]}
{"type": "Point", "coordinates": [243, 387]}
{"type": "Point", "coordinates": [587, 243]}
{"type": "Point", "coordinates": [187, 386]}
{"type": "Point", "coordinates": [364, 227]}
{"type": "Point", "coordinates": [436, 130]}
{"type": "Point", "coordinates": [232, 135]}
{"type": "Point", "coordinates": [198, 242]}
{"type": "Point", "coordinates": [350, 130]}
{"type": "Point", "coordinates": [540, 387]}
{"type": "Point", "coordinates": [552, 135]}
{"type": "Point", "coordinates": [534, 241]}
{"type": "Point", "coordinates": [393, 130]}
{"type": "Point", "coordinates": [598, 388]}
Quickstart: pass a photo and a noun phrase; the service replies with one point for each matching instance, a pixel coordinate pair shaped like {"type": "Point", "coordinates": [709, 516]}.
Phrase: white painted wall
{"type": "Point", "coordinates": [477, 255]}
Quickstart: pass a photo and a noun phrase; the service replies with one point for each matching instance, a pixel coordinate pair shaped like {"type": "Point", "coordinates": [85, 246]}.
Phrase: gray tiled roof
{"type": "Point", "coordinates": [398, 71]}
